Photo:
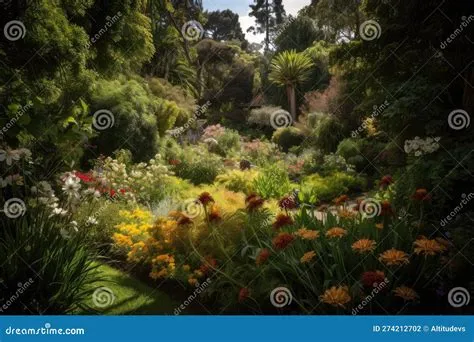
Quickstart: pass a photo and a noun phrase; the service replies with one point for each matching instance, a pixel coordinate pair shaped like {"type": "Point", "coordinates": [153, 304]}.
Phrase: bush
{"type": "Point", "coordinates": [197, 165]}
{"type": "Point", "coordinates": [238, 181]}
{"type": "Point", "coordinates": [273, 182]}
{"type": "Point", "coordinates": [333, 162]}
{"type": "Point", "coordinates": [328, 188]}
{"type": "Point", "coordinates": [227, 143]}
{"type": "Point", "coordinates": [288, 137]}
{"type": "Point", "coordinates": [49, 261]}
{"type": "Point", "coordinates": [262, 116]}
{"type": "Point", "coordinates": [261, 152]}
{"type": "Point", "coordinates": [327, 134]}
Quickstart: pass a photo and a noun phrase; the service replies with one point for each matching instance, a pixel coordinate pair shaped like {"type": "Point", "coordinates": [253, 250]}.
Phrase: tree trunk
{"type": "Point", "coordinates": [292, 101]}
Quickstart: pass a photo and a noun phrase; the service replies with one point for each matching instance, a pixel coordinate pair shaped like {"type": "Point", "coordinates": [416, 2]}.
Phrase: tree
{"type": "Point", "coordinates": [268, 15]}
{"type": "Point", "coordinates": [224, 25]}
{"type": "Point", "coordinates": [288, 69]}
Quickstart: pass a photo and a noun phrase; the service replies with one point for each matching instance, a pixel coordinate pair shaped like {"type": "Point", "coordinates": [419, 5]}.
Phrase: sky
{"type": "Point", "coordinates": [242, 8]}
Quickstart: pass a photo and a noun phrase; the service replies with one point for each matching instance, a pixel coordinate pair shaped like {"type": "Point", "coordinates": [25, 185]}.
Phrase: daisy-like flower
{"type": "Point", "coordinates": [364, 246]}
{"type": "Point", "coordinates": [394, 257]}
{"type": "Point", "coordinates": [282, 220]}
{"type": "Point", "coordinates": [307, 234]}
{"type": "Point", "coordinates": [282, 240]}
{"type": "Point", "coordinates": [288, 203]}
{"type": "Point", "coordinates": [336, 296]}
{"type": "Point", "coordinates": [205, 198]}
{"type": "Point", "coordinates": [9, 156]}
{"type": "Point", "coordinates": [307, 257]}
{"type": "Point", "coordinates": [71, 186]}
{"type": "Point", "coordinates": [59, 212]}
{"type": "Point", "coordinates": [406, 293]}
{"type": "Point", "coordinates": [428, 247]}
{"type": "Point", "coordinates": [254, 202]}
{"type": "Point", "coordinates": [373, 278]}
{"type": "Point", "coordinates": [336, 232]}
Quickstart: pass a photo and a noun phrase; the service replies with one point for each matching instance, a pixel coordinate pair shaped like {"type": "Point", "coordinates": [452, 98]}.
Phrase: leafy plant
{"type": "Point", "coordinates": [273, 182]}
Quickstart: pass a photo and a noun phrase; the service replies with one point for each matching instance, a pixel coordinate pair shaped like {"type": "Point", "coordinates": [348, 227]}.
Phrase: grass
{"type": "Point", "coordinates": [131, 296]}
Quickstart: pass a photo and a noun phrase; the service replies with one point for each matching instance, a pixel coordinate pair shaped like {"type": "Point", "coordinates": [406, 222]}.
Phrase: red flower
{"type": "Point", "coordinates": [174, 162]}
{"type": "Point", "coordinates": [386, 181]}
{"type": "Point", "coordinates": [254, 202]}
{"type": "Point", "coordinates": [287, 202]}
{"type": "Point", "coordinates": [422, 195]}
{"type": "Point", "coordinates": [386, 208]}
{"type": "Point", "coordinates": [112, 192]}
{"type": "Point", "coordinates": [282, 240]}
{"type": "Point", "coordinates": [341, 199]}
{"type": "Point", "coordinates": [244, 293]}
{"type": "Point", "coordinates": [372, 278]}
{"type": "Point", "coordinates": [209, 265]}
{"type": "Point", "coordinates": [281, 221]}
{"type": "Point", "coordinates": [123, 191]}
{"type": "Point", "coordinates": [86, 178]}
{"type": "Point", "coordinates": [205, 198]}
{"type": "Point", "coordinates": [263, 256]}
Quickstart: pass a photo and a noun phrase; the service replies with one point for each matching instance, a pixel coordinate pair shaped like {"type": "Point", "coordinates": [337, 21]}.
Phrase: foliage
{"type": "Point", "coordinates": [327, 188]}
{"type": "Point", "coordinates": [288, 137]}
{"type": "Point", "coordinates": [58, 268]}
{"type": "Point", "coordinates": [238, 181]}
{"type": "Point", "coordinates": [272, 182]}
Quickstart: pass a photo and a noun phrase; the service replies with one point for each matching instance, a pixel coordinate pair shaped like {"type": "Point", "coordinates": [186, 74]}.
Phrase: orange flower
{"type": "Point", "coordinates": [263, 256]}
{"type": "Point", "coordinates": [427, 247]}
{"type": "Point", "coordinates": [307, 257]}
{"type": "Point", "coordinates": [421, 195]}
{"type": "Point", "coordinates": [379, 226]}
{"type": "Point", "coordinates": [282, 240]}
{"type": "Point", "coordinates": [288, 202]}
{"type": "Point", "coordinates": [336, 232]}
{"type": "Point", "coordinates": [394, 257]}
{"type": "Point", "coordinates": [364, 246]}
{"type": "Point", "coordinates": [192, 281]}
{"type": "Point", "coordinates": [336, 296]}
{"type": "Point", "coordinates": [205, 198]}
{"type": "Point", "coordinates": [341, 200]}
{"type": "Point", "coordinates": [282, 220]}
{"type": "Point", "coordinates": [407, 293]}
{"type": "Point", "coordinates": [307, 234]}
{"type": "Point", "coordinates": [348, 214]}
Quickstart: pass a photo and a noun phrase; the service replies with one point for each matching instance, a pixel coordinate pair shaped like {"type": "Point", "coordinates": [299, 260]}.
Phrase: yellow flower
{"type": "Point", "coordinates": [307, 257]}
{"type": "Point", "coordinates": [159, 274]}
{"type": "Point", "coordinates": [186, 268]}
{"type": "Point", "coordinates": [122, 240]}
{"type": "Point", "coordinates": [336, 296]}
{"type": "Point", "coordinates": [364, 246]}
{"type": "Point", "coordinates": [192, 281]}
{"type": "Point", "coordinates": [428, 247]}
{"type": "Point", "coordinates": [379, 226]}
{"type": "Point", "coordinates": [394, 257]}
{"type": "Point", "coordinates": [198, 274]}
{"type": "Point", "coordinates": [163, 258]}
{"type": "Point", "coordinates": [307, 234]}
{"type": "Point", "coordinates": [406, 293]}
{"type": "Point", "coordinates": [336, 232]}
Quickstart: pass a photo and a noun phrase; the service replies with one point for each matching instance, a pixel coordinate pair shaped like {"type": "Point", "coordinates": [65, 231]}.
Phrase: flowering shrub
{"type": "Point", "coordinates": [419, 147]}
{"type": "Point", "coordinates": [213, 131]}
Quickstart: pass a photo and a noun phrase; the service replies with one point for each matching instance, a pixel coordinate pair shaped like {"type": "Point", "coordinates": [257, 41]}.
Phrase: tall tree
{"type": "Point", "coordinates": [269, 14]}
{"type": "Point", "coordinates": [224, 25]}
{"type": "Point", "coordinates": [288, 69]}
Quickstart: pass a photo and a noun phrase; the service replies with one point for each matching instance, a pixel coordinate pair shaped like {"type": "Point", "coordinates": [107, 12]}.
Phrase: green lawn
{"type": "Point", "coordinates": [131, 296]}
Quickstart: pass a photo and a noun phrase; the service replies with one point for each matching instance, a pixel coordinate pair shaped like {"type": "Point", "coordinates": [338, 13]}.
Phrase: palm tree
{"type": "Point", "coordinates": [288, 69]}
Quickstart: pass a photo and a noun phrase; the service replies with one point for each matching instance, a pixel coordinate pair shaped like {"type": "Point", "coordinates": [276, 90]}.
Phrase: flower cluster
{"type": "Point", "coordinates": [419, 147]}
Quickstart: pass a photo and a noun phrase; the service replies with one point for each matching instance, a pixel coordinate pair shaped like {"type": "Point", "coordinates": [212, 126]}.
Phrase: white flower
{"type": "Point", "coordinates": [91, 220]}
{"type": "Point", "coordinates": [64, 233]}
{"type": "Point", "coordinates": [9, 155]}
{"type": "Point", "coordinates": [71, 186]}
{"type": "Point", "coordinates": [74, 225]}
{"type": "Point", "coordinates": [59, 211]}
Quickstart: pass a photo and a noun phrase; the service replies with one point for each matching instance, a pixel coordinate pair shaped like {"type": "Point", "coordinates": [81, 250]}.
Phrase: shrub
{"type": "Point", "coordinates": [333, 162]}
{"type": "Point", "coordinates": [51, 257]}
{"type": "Point", "coordinates": [238, 181]}
{"type": "Point", "coordinates": [197, 165]}
{"type": "Point", "coordinates": [273, 182]}
{"type": "Point", "coordinates": [227, 143]}
{"type": "Point", "coordinates": [327, 134]}
{"type": "Point", "coordinates": [262, 116]}
{"type": "Point", "coordinates": [328, 188]}
{"type": "Point", "coordinates": [288, 137]}
{"type": "Point", "coordinates": [261, 152]}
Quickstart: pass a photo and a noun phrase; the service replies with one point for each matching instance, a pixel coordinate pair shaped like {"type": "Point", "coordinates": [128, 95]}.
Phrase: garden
{"type": "Point", "coordinates": [154, 161]}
